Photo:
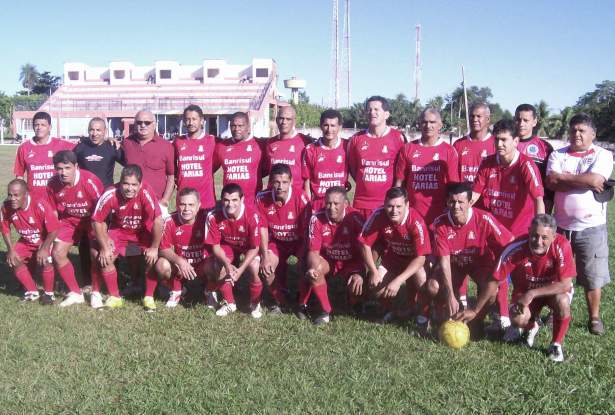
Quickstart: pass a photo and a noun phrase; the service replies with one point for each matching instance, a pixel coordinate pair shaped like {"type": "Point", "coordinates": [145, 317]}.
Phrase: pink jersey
{"type": "Point", "coordinates": [426, 170]}
{"type": "Point", "coordinates": [473, 246]}
{"type": "Point", "coordinates": [186, 240]}
{"type": "Point", "coordinates": [287, 221]}
{"type": "Point", "coordinates": [407, 240]}
{"type": "Point", "coordinates": [75, 203]}
{"type": "Point", "coordinates": [241, 234]}
{"type": "Point", "coordinates": [538, 150]}
{"type": "Point", "coordinates": [36, 161]}
{"type": "Point", "coordinates": [529, 271]}
{"type": "Point", "coordinates": [471, 153]}
{"type": "Point", "coordinates": [241, 163]}
{"type": "Point", "coordinates": [286, 151]}
{"type": "Point", "coordinates": [33, 222]}
{"type": "Point", "coordinates": [509, 192]}
{"type": "Point", "coordinates": [130, 216]}
{"type": "Point", "coordinates": [371, 162]}
{"type": "Point", "coordinates": [194, 166]}
{"type": "Point", "coordinates": [336, 241]}
{"type": "Point", "coordinates": [324, 167]}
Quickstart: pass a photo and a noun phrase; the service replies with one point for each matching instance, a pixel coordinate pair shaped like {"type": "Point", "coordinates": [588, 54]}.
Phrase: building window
{"type": "Point", "coordinates": [262, 72]}
{"type": "Point", "coordinates": [165, 74]}
{"type": "Point", "coordinates": [73, 75]}
{"type": "Point", "coordinates": [213, 72]}
{"type": "Point", "coordinates": [119, 74]}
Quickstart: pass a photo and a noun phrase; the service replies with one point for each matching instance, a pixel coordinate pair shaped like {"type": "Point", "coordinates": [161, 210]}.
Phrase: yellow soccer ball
{"type": "Point", "coordinates": [455, 334]}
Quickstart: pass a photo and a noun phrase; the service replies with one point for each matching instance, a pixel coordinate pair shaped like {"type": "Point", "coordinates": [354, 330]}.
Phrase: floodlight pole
{"type": "Point", "coordinates": [465, 98]}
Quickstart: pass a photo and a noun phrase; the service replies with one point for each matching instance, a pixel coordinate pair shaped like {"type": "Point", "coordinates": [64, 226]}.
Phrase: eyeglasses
{"type": "Point", "coordinates": [143, 122]}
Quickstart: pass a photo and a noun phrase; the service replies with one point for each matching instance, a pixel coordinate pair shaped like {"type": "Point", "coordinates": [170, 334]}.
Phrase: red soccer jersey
{"type": "Point", "coordinates": [32, 223]}
{"type": "Point", "coordinates": [471, 153]}
{"type": "Point", "coordinates": [324, 167]}
{"type": "Point", "coordinates": [194, 166]}
{"type": "Point", "coordinates": [538, 150]}
{"type": "Point", "coordinates": [241, 163]}
{"type": "Point", "coordinates": [407, 240]}
{"type": "Point", "coordinates": [187, 241]}
{"type": "Point", "coordinates": [509, 192]}
{"type": "Point", "coordinates": [131, 216]}
{"type": "Point", "coordinates": [426, 170]}
{"type": "Point", "coordinates": [371, 162]}
{"type": "Point", "coordinates": [241, 234]}
{"type": "Point", "coordinates": [286, 222]}
{"type": "Point", "coordinates": [36, 161]}
{"type": "Point", "coordinates": [286, 151]}
{"type": "Point", "coordinates": [529, 271]}
{"type": "Point", "coordinates": [473, 246]}
{"type": "Point", "coordinates": [75, 203]}
{"type": "Point", "coordinates": [336, 241]}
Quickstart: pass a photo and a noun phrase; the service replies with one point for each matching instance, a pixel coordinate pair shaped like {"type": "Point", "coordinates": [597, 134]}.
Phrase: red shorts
{"type": "Point", "coordinates": [198, 267]}
{"type": "Point", "coordinates": [128, 244]}
{"type": "Point", "coordinates": [285, 249]}
{"type": "Point", "coordinates": [538, 303]}
{"type": "Point", "coordinates": [27, 251]}
{"type": "Point", "coordinates": [395, 264]}
{"type": "Point", "coordinates": [71, 233]}
{"type": "Point", "coordinates": [345, 269]}
{"type": "Point", "coordinates": [231, 253]}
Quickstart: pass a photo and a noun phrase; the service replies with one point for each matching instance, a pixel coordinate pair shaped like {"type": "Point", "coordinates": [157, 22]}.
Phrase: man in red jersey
{"type": "Point", "coordinates": [426, 166]}
{"type": "Point", "coordinates": [477, 145]}
{"type": "Point", "coordinates": [136, 223]}
{"type": "Point", "coordinates": [36, 224]}
{"type": "Point", "coordinates": [182, 249]}
{"type": "Point", "coordinates": [324, 162]}
{"type": "Point", "coordinates": [541, 268]}
{"type": "Point", "coordinates": [73, 192]}
{"type": "Point", "coordinates": [194, 153]}
{"type": "Point", "coordinates": [403, 234]}
{"type": "Point", "coordinates": [371, 156]}
{"type": "Point", "coordinates": [510, 188]}
{"type": "Point", "coordinates": [286, 147]}
{"type": "Point", "coordinates": [240, 158]}
{"type": "Point", "coordinates": [233, 231]}
{"type": "Point", "coordinates": [333, 251]}
{"type": "Point", "coordinates": [285, 214]}
{"type": "Point", "coordinates": [34, 157]}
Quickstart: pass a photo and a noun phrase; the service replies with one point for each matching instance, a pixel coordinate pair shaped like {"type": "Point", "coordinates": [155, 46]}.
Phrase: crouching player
{"type": "Point", "coordinates": [541, 268]}
{"type": "Point", "coordinates": [232, 231]}
{"type": "Point", "coordinates": [136, 222]}
{"type": "Point", "coordinates": [333, 251]}
{"type": "Point", "coordinates": [36, 224]}
{"type": "Point", "coordinates": [182, 250]}
{"type": "Point", "coordinates": [403, 234]}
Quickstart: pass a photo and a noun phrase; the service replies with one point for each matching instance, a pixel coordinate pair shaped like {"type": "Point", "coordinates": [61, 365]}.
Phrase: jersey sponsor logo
{"type": "Point", "coordinates": [31, 220]}
{"type": "Point", "coordinates": [364, 146]}
{"type": "Point", "coordinates": [321, 158]}
{"type": "Point", "coordinates": [451, 235]}
{"type": "Point", "coordinates": [465, 151]}
{"type": "Point", "coordinates": [274, 148]}
{"type": "Point", "coordinates": [229, 149]}
{"type": "Point", "coordinates": [483, 154]}
{"type": "Point", "coordinates": [326, 232]}
{"type": "Point", "coordinates": [179, 232]}
{"type": "Point", "coordinates": [339, 159]}
{"type": "Point", "coordinates": [249, 148]}
{"type": "Point", "coordinates": [471, 235]}
{"type": "Point", "coordinates": [50, 153]}
{"type": "Point", "coordinates": [79, 194]}
{"type": "Point", "coordinates": [136, 206]}
{"type": "Point", "coordinates": [416, 155]}
{"type": "Point", "coordinates": [436, 156]}
{"type": "Point", "coordinates": [292, 148]}
{"type": "Point", "coordinates": [388, 230]}
{"type": "Point", "coordinates": [94, 157]}
{"type": "Point", "coordinates": [241, 228]}
{"type": "Point", "coordinates": [291, 216]}
{"type": "Point", "coordinates": [183, 147]}
{"type": "Point", "coordinates": [200, 148]}
{"type": "Point", "coordinates": [385, 149]}
{"type": "Point", "coordinates": [30, 154]}
{"type": "Point", "coordinates": [532, 149]}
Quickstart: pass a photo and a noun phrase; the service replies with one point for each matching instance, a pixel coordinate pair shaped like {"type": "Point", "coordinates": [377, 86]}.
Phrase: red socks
{"type": "Point", "coordinates": [111, 282]}
{"type": "Point", "coordinates": [502, 299]}
{"type": "Point", "coordinates": [226, 289]}
{"type": "Point", "coordinates": [67, 272]}
{"type": "Point", "coordinates": [560, 328]}
{"type": "Point", "coordinates": [22, 273]}
{"type": "Point", "coordinates": [151, 282]}
{"type": "Point", "coordinates": [48, 279]}
{"type": "Point", "coordinates": [320, 291]}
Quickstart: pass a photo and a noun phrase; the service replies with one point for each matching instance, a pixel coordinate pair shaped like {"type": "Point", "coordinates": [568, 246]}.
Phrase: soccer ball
{"type": "Point", "coordinates": [455, 334]}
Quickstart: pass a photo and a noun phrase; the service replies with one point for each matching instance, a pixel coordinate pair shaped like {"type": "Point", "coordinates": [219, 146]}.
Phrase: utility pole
{"type": "Point", "coordinates": [417, 63]}
{"type": "Point", "coordinates": [335, 57]}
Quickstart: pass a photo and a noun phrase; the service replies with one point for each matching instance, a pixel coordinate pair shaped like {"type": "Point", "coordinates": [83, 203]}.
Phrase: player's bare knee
{"type": "Point", "coordinates": [432, 287]}
{"type": "Point", "coordinates": [163, 268]}
{"type": "Point", "coordinates": [562, 305]}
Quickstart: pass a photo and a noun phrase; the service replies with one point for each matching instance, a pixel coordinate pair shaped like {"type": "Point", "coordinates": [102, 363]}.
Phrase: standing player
{"type": "Point", "coordinates": [240, 158]}
{"type": "Point", "coordinates": [194, 153]}
{"type": "Point", "coordinates": [36, 224]}
{"type": "Point", "coordinates": [541, 268]}
{"type": "Point", "coordinates": [73, 193]}
{"type": "Point", "coordinates": [34, 157]}
{"type": "Point", "coordinates": [136, 223]}
{"type": "Point", "coordinates": [477, 145]}
{"type": "Point", "coordinates": [233, 232]}
{"type": "Point", "coordinates": [333, 251]}
{"type": "Point", "coordinates": [371, 157]}
{"type": "Point", "coordinates": [402, 232]}
{"type": "Point", "coordinates": [285, 214]}
{"type": "Point", "coordinates": [529, 144]}
{"type": "Point", "coordinates": [324, 162]}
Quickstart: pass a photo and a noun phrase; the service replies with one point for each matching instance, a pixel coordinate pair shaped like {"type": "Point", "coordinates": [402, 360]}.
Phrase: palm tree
{"type": "Point", "coordinates": [28, 76]}
{"type": "Point", "coordinates": [542, 113]}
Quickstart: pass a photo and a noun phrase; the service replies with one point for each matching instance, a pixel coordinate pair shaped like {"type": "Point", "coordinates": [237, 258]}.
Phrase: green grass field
{"type": "Point", "coordinates": [187, 360]}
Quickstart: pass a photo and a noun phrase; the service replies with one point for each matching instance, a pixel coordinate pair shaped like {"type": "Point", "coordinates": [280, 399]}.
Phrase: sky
{"type": "Point", "coordinates": [524, 51]}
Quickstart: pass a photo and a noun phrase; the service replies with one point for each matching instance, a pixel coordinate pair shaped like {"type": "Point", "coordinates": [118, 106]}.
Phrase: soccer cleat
{"type": "Point", "coordinates": [48, 299]}
{"type": "Point", "coordinates": [555, 352]}
{"type": "Point", "coordinates": [275, 310]}
{"type": "Point", "coordinates": [30, 296]}
{"type": "Point", "coordinates": [174, 299]}
{"type": "Point", "coordinates": [423, 326]}
{"type": "Point", "coordinates": [529, 335]}
{"type": "Point", "coordinates": [322, 319]}
{"type": "Point", "coordinates": [114, 302]}
{"type": "Point", "coordinates": [511, 334]}
{"type": "Point", "coordinates": [387, 318]}
{"type": "Point", "coordinates": [226, 309]}
{"type": "Point", "coordinates": [302, 312]}
{"type": "Point", "coordinates": [256, 311]}
{"type": "Point", "coordinates": [96, 300]}
{"type": "Point", "coordinates": [149, 304]}
{"type": "Point", "coordinates": [72, 299]}
{"type": "Point", "coordinates": [212, 299]}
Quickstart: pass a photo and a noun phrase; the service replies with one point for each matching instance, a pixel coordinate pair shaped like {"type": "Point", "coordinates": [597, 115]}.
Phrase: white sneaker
{"type": "Point", "coordinates": [72, 299]}
{"type": "Point", "coordinates": [387, 318]}
{"type": "Point", "coordinates": [212, 299]}
{"type": "Point", "coordinates": [511, 334]}
{"type": "Point", "coordinates": [322, 319]}
{"type": "Point", "coordinates": [174, 299]}
{"type": "Point", "coordinates": [96, 300]}
{"type": "Point", "coordinates": [555, 352]}
{"type": "Point", "coordinates": [256, 311]}
{"type": "Point", "coordinates": [30, 296]}
{"type": "Point", "coordinates": [530, 334]}
{"type": "Point", "coordinates": [226, 309]}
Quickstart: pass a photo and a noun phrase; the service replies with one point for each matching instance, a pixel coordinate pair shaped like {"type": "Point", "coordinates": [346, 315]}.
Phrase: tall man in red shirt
{"type": "Point", "coordinates": [371, 156]}
{"type": "Point", "coordinates": [541, 268]}
{"type": "Point", "coordinates": [74, 193]}
{"type": "Point", "coordinates": [36, 224]}
{"type": "Point", "coordinates": [194, 153]}
{"type": "Point", "coordinates": [477, 145]}
{"type": "Point", "coordinates": [34, 157]}
{"type": "Point", "coordinates": [324, 162]}
{"type": "Point", "coordinates": [241, 158]}
{"type": "Point", "coordinates": [136, 224]}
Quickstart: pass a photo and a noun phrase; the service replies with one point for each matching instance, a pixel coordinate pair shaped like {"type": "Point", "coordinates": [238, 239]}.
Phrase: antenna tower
{"type": "Point", "coordinates": [417, 63]}
{"type": "Point", "coordinates": [346, 74]}
{"type": "Point", "coordinates": [335, 57]}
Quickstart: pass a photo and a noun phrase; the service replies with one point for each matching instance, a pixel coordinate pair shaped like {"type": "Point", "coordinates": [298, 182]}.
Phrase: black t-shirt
{"type": "Point", "coordinates": [98, 159]}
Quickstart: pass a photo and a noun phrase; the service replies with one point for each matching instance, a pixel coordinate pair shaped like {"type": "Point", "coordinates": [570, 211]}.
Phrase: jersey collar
{"type": "Point", "coordinates": [28, 200]}
{"type": "Point", "coordinates": [241, 212]}
{"type": "Point", "coordinates": [437, 143]}
{"type": "Point", "coordinates": [329, 219]}
{"type": "Point", "coordinates": [403, 222]}
{"type": "Point", "coordinates": [452, 221]}
{"type": "Point", "coordinates": [322, 143]}
{"type": "Point", "coordinates": [290, 193]}
{"type": "Point", "coordinates": [514, 160]}
{"type": "Point", "coordinates": [386, 132]}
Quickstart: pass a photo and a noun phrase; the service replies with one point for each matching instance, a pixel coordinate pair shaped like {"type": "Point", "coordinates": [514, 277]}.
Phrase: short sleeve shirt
{"type": "Point", "coordinates": [471, 153]}
{"type": "Point", "coordinates": [75, 203]}
{"type": "Point", "coordinates": [194, 158]}
{"type": "Point", "coordinates": [155, 158]}
{"type": "Point", "coordinates": [186, 240]}
{"type": "Point", "coordinates": [32, 223]}
{"type": "Point", "coordinates": [325, 167]}
{"type": "Point", "coordinates": [241, 234]}
{"type": "Point", "coordinates": [336, 241]}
